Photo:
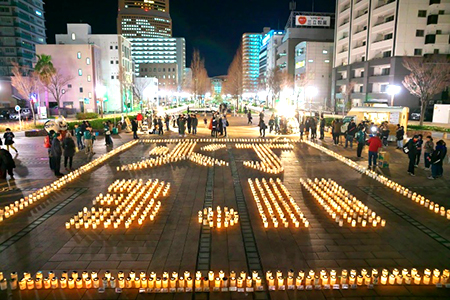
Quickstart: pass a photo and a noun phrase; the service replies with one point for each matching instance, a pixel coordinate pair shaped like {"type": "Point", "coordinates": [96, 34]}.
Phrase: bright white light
{"type": "Point", "coordinates": [285, 110]}
{"type": "Point", "coordinates": [100, 90]}
{"type": "Point", "coordinates": [207, 95]}
{"type": "Point", "coordinates": [311, 91]}
{"type": "Point", "coordinates": [262, 95]}
{"type": "Point", "coordinates": [393, 89]}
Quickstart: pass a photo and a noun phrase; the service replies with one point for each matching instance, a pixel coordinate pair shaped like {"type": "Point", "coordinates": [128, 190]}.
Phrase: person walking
{"type": "Point", "coordinates": [69, 151]}
{"type": "Point", "coordinates": [411, 149]}
{"type": "Point", "coordinates": [350, 134]}
{"type": "Point", "coordinates": [322, 128]}
{"type": "Point", "coordinates": [374, 146]}
{"type": "Point", "coordinates": [399, 134]}
{"type": "Point", "coordinates": [7, 164]}
{"type": "Point", "coordinates": [436, 159]}
{"type": "Point", "coordinates": [79, 136]}
{"type": "Point", "coordinates": [428, 149]}
{"type": "Point", "coordinates": [361, 139]}
{"type": "Point", "coordinates": [9, 140]}
{"type": "Point", "coordinates": [249, 117]}
{"type": "Point", "coordinates": [56, 154]}
{"type": "Point", "coordinates": [194, 124]}
{"type": "Point", "coordinates": [134, 128]}
{"type": "Point", "coordinates": [419, 145]}
{"type": "Point", "coordinates": [262, 128]}
{"type": "Point", "coordinates": [89, 141]}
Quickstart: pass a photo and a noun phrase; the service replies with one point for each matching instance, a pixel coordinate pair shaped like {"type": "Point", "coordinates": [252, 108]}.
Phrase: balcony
{"type": "Point", "coordinates": [432, 19]}
{"type": "Point", "coordinates": [384, 7]}
{"type": "Point", "coordinates": [23, 45]}
{"type": "Point", "coordinates": [25, 55]}
{"type": "Point", "coordinates": [430, 39]}
{"type": "Point", "coordinates": [345, 22]}
{"type": "Point", "coordinates": [23, 26]}
{"type": "Point", "coordinates": [380, 44]}
{"type": "Point", "coordinates": [383, 26]}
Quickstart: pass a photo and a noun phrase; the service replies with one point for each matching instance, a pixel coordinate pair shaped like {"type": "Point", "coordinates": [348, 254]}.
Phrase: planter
{"type": "Point", "coordinates": [437, 135]}
{"type": "Point", "coordinates": [33, 133]}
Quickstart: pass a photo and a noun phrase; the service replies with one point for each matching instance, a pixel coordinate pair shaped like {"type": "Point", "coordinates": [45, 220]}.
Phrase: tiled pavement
{"type": "Point", "coordinates": [37, 239]}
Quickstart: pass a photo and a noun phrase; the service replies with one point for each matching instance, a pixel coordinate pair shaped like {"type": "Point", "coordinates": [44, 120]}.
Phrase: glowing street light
{"type": "Point", "coordinates": [393, 90]}
{"type": "Point", "coordinates": [311, 92]}
{"type": "Point", "coordinates": [100, 92]}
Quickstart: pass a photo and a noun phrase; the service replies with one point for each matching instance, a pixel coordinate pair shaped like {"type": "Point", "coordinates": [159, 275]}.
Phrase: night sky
{"type": "Point", "coordinates": [213, 26]}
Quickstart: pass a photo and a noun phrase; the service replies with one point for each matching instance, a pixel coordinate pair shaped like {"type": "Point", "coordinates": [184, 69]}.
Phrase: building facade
{"type": "Point", "coordinates": [167, 74]}
{"type": "Point", "coordinates": [313, 68]}
{"type": "Point", "coordinates": [371, 39]}
{"type": "Point", "coordinates": [217, 83]}
{"type": "Point", "coordinates": [268, 54]}
{"type": "Point", "coordinates": [22, 27]}
{"type": "Point", "coordinates": [115, 59]}
{"type": "Point", "coordinates": [251, 45]}
{"type": "Point", "coordinates": [80, 63]}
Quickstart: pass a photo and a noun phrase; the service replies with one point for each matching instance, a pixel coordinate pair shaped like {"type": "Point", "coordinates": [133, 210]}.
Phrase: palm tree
{"type": "Point", "coordinates": [45, 70]}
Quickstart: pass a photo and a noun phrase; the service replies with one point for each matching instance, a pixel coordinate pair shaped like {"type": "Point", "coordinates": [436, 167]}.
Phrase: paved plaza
{"type": "Point", "coordinates": [36, 238]}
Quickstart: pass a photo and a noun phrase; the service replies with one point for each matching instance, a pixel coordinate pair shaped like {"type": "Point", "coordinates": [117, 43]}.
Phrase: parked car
{"type": "Point", "coordinates": [414, 116]}
{"type": "Point", "coordinates": [25, 113]}
{"type": "Point", "coordinates": [5, 114]}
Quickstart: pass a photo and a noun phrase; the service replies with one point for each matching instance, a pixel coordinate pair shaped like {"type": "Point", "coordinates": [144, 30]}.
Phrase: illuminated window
{"type": "Point", "coordinates": [73, 36]}
{"type": "Point", "coordinates": [80, 72]}
{"type": "Point", "coordinates": [89, 78]}
{"type": "Point", "coordinates": [79, 55]}
{"type": "Point", "coordinates": [90, 95]}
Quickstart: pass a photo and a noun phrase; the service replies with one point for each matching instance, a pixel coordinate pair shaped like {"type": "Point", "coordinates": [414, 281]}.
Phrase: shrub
{"type": "Point", "coordinates": [429, 128]}
{"type": "Point", "coordinates": [87, 116]}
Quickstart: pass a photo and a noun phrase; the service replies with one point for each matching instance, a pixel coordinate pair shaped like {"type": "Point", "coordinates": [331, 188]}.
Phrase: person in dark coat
{"type": "Point", "coordinates": [350, 134]}
{"type": "Point", "coordinates": [399, 134]}
{"type": "Point", "coordinates": [189, 123]}
{"type": "Point", "coordinates": [182, 125]}
{"type": "Point", "coordinates": [134, 128]}
{"type": "Point", "coordinates": [69, 151]}
{"type": "Point", "coordinates": [194, 124]}
{"type": "Point", "coordinates": [262, 128]}
{"type": "Point", "coordinates": [411, 145]}
{"type": "Point", "coordinates": [7, 164]}
{"type": "Point", "coordinates": [9, 139]}
{"type": "Point", "coordinates": [322, 128]}
{"type": "Point", "coordinates": [160, 126]}
{"type": "Point", "coordinates": [56, 153]}
{"type": "Point", "coordinates": [436, 159]}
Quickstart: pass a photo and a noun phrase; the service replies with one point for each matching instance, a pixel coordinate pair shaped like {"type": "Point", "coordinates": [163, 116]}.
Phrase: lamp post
{"type": "Point", "coordinates": [393, 90]}
{"type": "Point", "coordinates": [311, 92]}
{"type": "Point", "coordinates": [100, 90]}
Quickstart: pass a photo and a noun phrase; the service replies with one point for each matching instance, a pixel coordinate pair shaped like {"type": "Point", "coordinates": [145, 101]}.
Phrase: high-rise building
{"type": "Point", "coordinates": [251, 45]}
{"type": "Point", "coordinates": [371, 39]}
{"type": "Point", "coordinates": [115, 60]}
{"type": "Point", "coordinates": [268, 54]}
{"type": "Point", "coordinates": [217, 85]}
{"type": "Point", "coordinates": [22, 27]}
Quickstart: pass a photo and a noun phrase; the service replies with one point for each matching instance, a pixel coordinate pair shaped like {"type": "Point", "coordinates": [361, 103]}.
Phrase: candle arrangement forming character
{"type": "Point", "coordinates": [270, 162]}
{"type": "Point", "coordinates": [159, 151]}
{"type": "Point", "coordinates": [439, 210]}
{"type": "Point", "coordinates": [42, 193]}
{"type": "Point", "coordinates": [219, 281]}
{"type": "Point", "coordinates": [127, 202]}
{"type": "Point", "coordinates": [220, 141]}
{"type": "Point", "coordinates": [341, 205]}
{"type": "Point", "coordinates": [284, 146]}
{"type": "Point", "coordinates": [218, 218]}
{"type": "Point", "coordinates": [213, 147]}
{"type": "Point", "coordinates": [277, 206]}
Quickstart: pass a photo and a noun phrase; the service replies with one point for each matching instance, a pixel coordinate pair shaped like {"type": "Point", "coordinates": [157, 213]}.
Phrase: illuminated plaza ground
{"type": "Point", "coordinates": [36, 239]}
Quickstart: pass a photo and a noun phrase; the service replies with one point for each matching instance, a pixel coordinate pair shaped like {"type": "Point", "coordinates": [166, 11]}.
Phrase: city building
{"type": "Point", "coordinates": [217, 83]}
{"type": "Point", "coordinates": [81, 65]}
{"type": "Point", "coordinates": [167, 74]}
{"type": "Point", "coordinates": [251, 45]}
{"type": "Point", "coordinates": [371, 39]}
{"type": "Point", "coordinates": [303, 27]}
{"type": "Point", "coordinates": [115, 60]}
{"type": "Point", "coordinates": [268, 54]}
{"type": "Point", "coordinates": [22, 27]}
{"type": "Point", "coordinates": [313, 69]}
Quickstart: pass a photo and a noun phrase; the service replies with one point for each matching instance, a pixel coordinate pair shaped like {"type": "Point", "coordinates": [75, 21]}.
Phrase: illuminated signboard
{"type": "Point", "coordinates": [312, 21]}
{"type": "Point", "coordinates": [300, 64]}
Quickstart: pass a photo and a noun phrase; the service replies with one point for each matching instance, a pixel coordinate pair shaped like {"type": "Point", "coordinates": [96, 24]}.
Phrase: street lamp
{"type": "Point", "coordinates": [393, 90]}
{"type": "Point", "coordinates": [311, 92]}
{"type": "Point", "coordinates": [100, 90]}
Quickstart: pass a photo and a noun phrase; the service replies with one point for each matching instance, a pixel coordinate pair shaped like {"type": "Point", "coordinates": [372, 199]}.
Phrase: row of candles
{"type": "Point", "coordinates": [284, 146]}
{"type": "Point", "coordinates": [181, 151]}
{"type": "Point", "coordinates": [213, 219]}
{"type": "Point", "coordinates": [159, 151]}
{"type": "Point", "coordinates": [276, 206]}
{"type": "Point", "coordinates": [270, 162]}
{"type": "Point", "coordinates": [207, 161]}
{"type": "Point", "coordinates": [224, 140]}
{"type": "Point", "coordinates": [113, 209]}
{"type": "Point", "coordinates": [425, 203]}
{"type": "Point", "coordinates": [185, 282]}
{"type": "Point", "coordinates": [42, 193]}
{"type": "Point", "coordinates": [341, 205]}
{"type": "Point", "coordinates": [213, 147]}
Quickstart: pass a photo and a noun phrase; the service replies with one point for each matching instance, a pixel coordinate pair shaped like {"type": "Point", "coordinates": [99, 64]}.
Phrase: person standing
{"type": "Point", "coordinates": [411, 147]}
{"type": "Point", "coordinates": [224, 125]}
{"type": "Point", "coordinates": [189, 123]}
{"type": "Point", "coordinates": [428, 149]}
{"type": "Point", "coordinates": [249, 117]}
{"type": "Point", "coordinates": [79, 136]}
{"type": "Point", "coordinates": [399, 134]}
{"type": "Point", "coordinates": [160, 126]}
{"type": "Point", "coordinates": [374, 145]}
{"type": "Point", "coordinates": [83, 127]}
{"type": "Point", "coordinates": [9, 139]}
{"type": "Point", "coordinates": [262, 128]}
{"type": "Point", "coordinates": [419, 145]}
{"type": "Point", "coordinates": [351, 131]}
{"type": "Point", "coordinates": [214, 127]}
{"type": "Point", "coordinates": [336, 131]}
{"type": "Point", "coordinates": [313, 125]}
{"type": "Point", "coordinates": [69, 151]}
{"type": "Point", "coordinates": [134, 128]}
{"type": "Point", "coordinates": [107, 132]}
{"type": "Point", "coordinates": [271, 123]}
{"type": "Point", "coordinates": [56, 154]}
{"type": "Point", "coordinates": [89, 141]}
{"type": "Point", "coordinates": [7, 164]}
{"type": "Point", "coordinates": [361, 139]}
{"type": "Point", "coordinates": [167, 121]}
{"type": "Point", "coordinates": [139, 119]}
{"type": "Point", "coordinates": [182, 125]}
{"type": "Point", "coordinates": [436, 159]}
{"type": "Point", "coordinates": [322, 128]}
{"type": "Point", "coordinates": [194, 124]}
{"type": "Point", "coordinates": [302, 129]}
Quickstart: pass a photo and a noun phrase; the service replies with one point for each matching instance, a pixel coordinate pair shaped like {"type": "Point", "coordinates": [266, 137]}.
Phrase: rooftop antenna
{"type": "Point", "coordinates": [312, 5]}
{"type": "Point", "coordinates": [292, 5]}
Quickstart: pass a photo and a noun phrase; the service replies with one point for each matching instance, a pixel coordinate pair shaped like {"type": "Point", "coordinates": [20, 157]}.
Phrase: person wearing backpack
{"type": "Point", "coordinates": [9, 140]}
{"type": "Point", "coordinates": [411, 149]}
{"type": "Point", "coordinates": [361, 139]}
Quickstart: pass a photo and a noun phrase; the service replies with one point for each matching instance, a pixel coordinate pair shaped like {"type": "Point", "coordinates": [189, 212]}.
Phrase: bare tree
{"type": "Point", "coordinates": [56, 85]}
{"type": "Point", "coordinates": [302, 81]}
{"type": "Point", "coordinates": [346, 91]}
{"type": "Point", "coordinates": [233, 85]}
{"type": "Point", "coordinates": [274, 80]}
{"type": "Point", "coordinates": [429, 76]}
{"type": "Point", "coordinates": [139, 87]}
{"type": "Point", "coordinates": [199, 75]}
{"type": "Point", "coordinates": [126, 88]}
{"type": "Point", "coordinates": [26, 83]}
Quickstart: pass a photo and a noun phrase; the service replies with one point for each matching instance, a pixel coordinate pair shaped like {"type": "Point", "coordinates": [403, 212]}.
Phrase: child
{"type": "Point", "coordinates": [9, 136]}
